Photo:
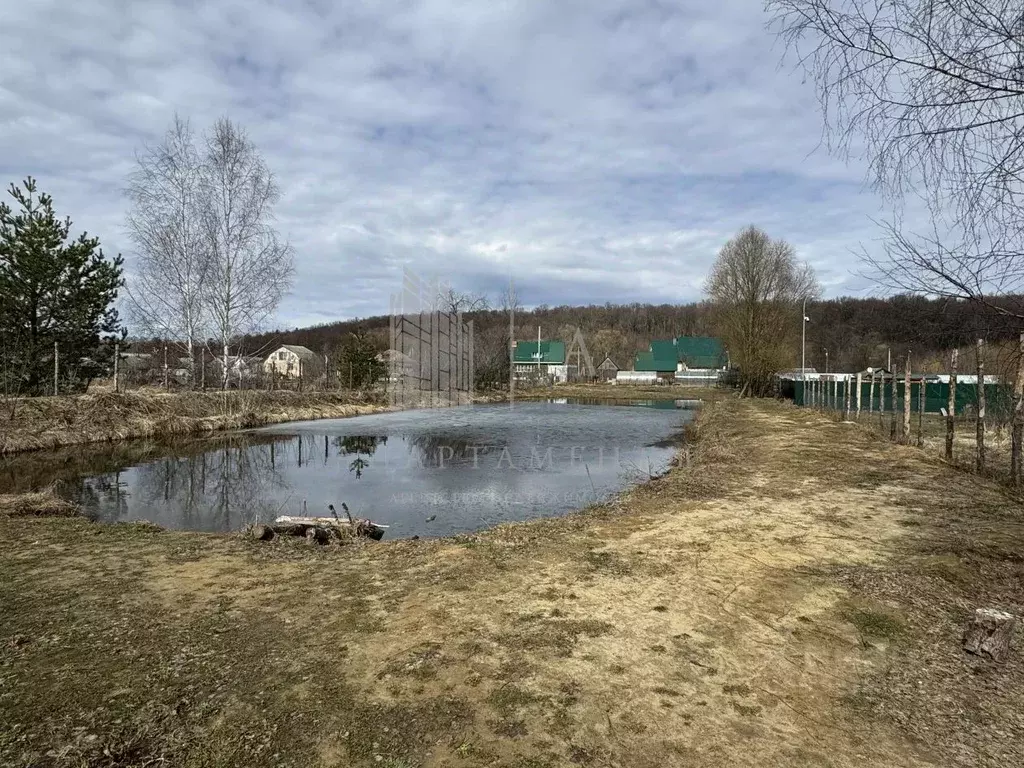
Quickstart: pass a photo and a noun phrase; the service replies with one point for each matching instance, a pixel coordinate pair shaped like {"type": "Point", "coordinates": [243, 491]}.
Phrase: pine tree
{"type": "Point", "coordinates": [52, 290]}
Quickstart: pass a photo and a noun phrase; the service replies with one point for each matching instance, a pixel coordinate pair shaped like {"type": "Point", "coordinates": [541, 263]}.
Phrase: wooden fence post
{"type": "Point", "coordinates": [921, 402]}
{"type": "Point", "coordinates": [893, 392]}
{"type": "Point", "coordinates": [980, 390]}
{"type": "Point", "coordinates": [871, 394]}
{"type": "Point", "coordinates": [1018, 416]}
{"type": "Point", "coordinates": [881, 400]}
{"type": "Point", "coordinates": [846, 398]}
{"type": "Point", "coordinates": [117, 359]}
{"type": "Point", "coordinates": [835, 394]}
{"type": "Point", "coordinates": [951, 409]}
{"type": "Point", "coordinates": [905, 429]}
{"type": "Point", "coordinates": [859, 383]}
{"type": "Point", "coordinates": [56, 370]}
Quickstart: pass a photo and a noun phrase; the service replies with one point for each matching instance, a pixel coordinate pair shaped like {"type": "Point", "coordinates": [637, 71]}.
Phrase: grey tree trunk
{"type": "Point", "coordinates": [224, 365]}
{"type": "Point", "coordinates": [951, 407]}
{"type": "Point", "coordinates": [1018, 416]}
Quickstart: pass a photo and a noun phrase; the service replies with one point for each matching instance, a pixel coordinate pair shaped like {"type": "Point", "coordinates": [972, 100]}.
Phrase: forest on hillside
{"type": "Point", "coordinates": [856, 332]}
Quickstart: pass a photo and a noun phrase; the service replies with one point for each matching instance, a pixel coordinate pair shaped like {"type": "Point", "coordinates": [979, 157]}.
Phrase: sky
{"type": "Point", "coordinates": [592, 150]}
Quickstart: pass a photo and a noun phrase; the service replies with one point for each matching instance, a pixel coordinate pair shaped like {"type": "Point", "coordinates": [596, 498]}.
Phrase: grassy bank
{"type": "Point", "coordinates": [792, 594]}
{"type": "Point", "coordinates": [51, 422]}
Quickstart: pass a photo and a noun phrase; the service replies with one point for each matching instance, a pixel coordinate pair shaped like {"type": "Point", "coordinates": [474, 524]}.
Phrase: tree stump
{"type": "Point", "coordinates": [261, 532]}
{"type": "Point", "coordinates": [989, 633]}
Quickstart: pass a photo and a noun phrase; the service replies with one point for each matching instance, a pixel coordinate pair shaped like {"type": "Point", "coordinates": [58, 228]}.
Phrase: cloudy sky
{"type": "Point", "coordinates": [595, 150]}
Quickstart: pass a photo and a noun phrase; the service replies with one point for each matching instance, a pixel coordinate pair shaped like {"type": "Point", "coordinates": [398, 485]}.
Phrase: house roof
{"type": "Point", "coordinates": [608, 365]}
{"type": "Point", "coordinates": [551, 352]}
{"type": "Point", "coordinates": [649, 361]}
{"type": "Point", "coordinates": [695, 351]}
{"type": "Point", "coordinates": [298, 350]}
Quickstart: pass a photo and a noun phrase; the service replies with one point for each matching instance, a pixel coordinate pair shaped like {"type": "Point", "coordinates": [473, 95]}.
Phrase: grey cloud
{"type": "Point", "coordinates": [599, 151]}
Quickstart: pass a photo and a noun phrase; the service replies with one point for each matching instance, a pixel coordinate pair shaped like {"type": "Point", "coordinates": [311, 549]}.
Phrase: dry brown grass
{"type": "Point", "coordinates": [790, 594]}
{"type": "Point", "coordinates": [44, 503]}
{"type": "Point", "coordinates": [28, 424]}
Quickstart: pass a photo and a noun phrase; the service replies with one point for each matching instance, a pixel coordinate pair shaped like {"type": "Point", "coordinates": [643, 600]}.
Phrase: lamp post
{"type": "Point", "coordinates": [803, 341]}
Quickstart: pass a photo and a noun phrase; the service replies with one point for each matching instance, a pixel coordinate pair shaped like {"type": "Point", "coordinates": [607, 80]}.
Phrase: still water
{"type": "Point", "coordinates": [425, 472]}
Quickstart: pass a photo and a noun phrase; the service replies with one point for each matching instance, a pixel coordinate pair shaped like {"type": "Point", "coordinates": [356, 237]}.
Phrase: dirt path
{"type": "Point", "coordinates": [791, 595]}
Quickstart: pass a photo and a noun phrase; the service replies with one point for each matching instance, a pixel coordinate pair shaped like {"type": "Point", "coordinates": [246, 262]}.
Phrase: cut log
{"type": "Point", "coordinates": [261, 532]}
{"type": "Point", "coordinates": [989, 632]}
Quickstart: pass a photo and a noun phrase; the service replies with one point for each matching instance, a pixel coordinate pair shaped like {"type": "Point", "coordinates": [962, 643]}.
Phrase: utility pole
{"type": "Point", "coordinates": [803, 342]}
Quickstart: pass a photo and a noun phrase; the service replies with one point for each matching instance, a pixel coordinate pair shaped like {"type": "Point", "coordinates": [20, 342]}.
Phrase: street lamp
{"type": "Point", "coordinates": [803, 342]}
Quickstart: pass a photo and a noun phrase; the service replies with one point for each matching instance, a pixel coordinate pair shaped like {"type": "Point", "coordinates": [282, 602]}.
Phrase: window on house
{"type": "Point", "coordinates": [282, 355]}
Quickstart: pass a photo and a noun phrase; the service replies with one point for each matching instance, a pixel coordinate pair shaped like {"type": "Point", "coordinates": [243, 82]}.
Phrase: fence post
{"type": "Point", "coordinates": [835, 394]}
{"type": "Point", "coordinates": [56, 370]}
{"type": "Point", "coordinates": [921, 402]}
{"type": "Point", "coordinates": [1018, 413]}
{"type": "Point", "coordinates": [165, 367]}
{"type": "Point", "coordinates": [117, 359]}
{"type": "Point", "coordinates": [905, 429]}
{"type": "Point", "coordinates": [881, 400]}
{"type": "Point", "coordinates": [980, 390]}
{"type": "Point", "coordinates": [892, 403]}
{"type": "Point", "coordinates": [858, 395]}
{"type": "Point", "coordinates": [951, 410]}
{"type": "Point", "coordinates": [871, 394]}
{"type": "Point", "coordinates": [846, 398]}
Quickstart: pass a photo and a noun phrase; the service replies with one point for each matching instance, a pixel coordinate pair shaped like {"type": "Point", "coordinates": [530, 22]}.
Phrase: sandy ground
{"type": "Point", "coordinates": [791, 594]}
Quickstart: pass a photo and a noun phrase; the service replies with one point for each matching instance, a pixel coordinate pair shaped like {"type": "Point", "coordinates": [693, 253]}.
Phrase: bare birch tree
{"type": "Point", "coordinates": [166, 289]}
{"type": "Point", "coordinates": [757, 285]}
{"type": "Point", "coordinates": [250, 267]}
{"type": "Point", "coordinates": [931, 92]}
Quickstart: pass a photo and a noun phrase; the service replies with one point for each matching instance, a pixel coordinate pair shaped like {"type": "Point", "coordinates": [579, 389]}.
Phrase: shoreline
{"type": "Point", "coordinates": [36, 424]}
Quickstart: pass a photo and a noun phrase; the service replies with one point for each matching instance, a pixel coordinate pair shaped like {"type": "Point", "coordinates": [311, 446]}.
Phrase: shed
{"type": "Point", "coordinates": [607, 369]}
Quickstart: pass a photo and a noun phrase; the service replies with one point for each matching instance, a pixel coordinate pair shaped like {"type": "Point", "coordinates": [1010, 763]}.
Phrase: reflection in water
{"type": "Point", "coordinates": [360, 445]}
{"type": "Point", "coordinates": [426, 473]}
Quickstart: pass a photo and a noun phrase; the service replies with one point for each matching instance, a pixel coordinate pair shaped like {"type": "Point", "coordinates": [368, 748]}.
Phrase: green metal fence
{"type": "Point", "coordinates": [936, 396]}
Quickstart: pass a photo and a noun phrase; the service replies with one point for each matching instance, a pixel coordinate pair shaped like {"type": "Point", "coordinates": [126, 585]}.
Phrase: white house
{"type": "Point", "coordinates": [290, 361]}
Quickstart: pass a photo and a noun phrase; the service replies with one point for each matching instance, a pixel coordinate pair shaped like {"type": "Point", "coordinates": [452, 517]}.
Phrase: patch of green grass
{"type": "Point", "coordinates": [874, 623]}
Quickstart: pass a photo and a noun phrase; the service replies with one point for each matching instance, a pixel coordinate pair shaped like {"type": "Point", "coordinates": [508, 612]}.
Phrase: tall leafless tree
{"type": "Point", "coordinates": [757, 285]}
{"type": "Point", "coordinates": [931, 92]}
{"type": "Point", "coordinates": [166, 289]}
{"type": "Point", "coordinates": [250, 267]}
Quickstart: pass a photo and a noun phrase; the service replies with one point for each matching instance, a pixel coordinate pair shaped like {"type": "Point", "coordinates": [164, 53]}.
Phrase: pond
{"type": "Point", "coordinates": [425, 473]}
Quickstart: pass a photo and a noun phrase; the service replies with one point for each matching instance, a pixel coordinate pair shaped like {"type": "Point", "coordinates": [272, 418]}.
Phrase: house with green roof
{"type": "Point", "coordinates": [683, 355]}
{"type": "Point", "coordinates": [539, 360]}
